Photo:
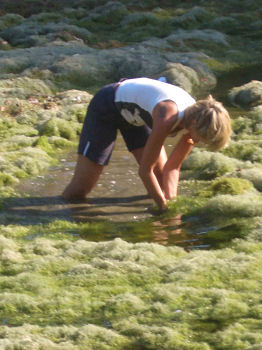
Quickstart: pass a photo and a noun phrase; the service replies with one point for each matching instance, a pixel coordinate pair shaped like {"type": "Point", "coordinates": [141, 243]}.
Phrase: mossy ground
{"type": "Point", "coordinates": [105, 285]}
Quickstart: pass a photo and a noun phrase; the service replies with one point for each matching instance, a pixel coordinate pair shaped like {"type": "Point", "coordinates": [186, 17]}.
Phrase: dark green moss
{"type": "Point", "coordinates": [230, 185]}
{"type": "Point", "coordinates": [6, 179]}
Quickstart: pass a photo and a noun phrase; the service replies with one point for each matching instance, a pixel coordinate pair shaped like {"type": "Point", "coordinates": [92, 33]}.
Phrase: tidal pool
{"type": "Point", "coordinates": [119, 201]}
{"type": "Point", "coordinates": [118, 204]}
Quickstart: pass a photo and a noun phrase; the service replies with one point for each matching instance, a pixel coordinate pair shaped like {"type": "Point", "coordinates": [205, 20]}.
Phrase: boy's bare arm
{"type": "Point", "coordinates": [163, 118]}
{"type": "Point", "coordinates": [172, 167]}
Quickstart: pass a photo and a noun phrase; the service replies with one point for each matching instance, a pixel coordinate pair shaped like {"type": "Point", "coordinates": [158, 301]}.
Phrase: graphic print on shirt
{"type": "Point", "coordinates": [134, 114]}
{"type": "Point", "coordinates": [134, 119]}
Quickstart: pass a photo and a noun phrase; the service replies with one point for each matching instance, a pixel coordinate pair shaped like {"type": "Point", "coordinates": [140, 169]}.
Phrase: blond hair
{"type": "Point", "coordinates": [211, 120]}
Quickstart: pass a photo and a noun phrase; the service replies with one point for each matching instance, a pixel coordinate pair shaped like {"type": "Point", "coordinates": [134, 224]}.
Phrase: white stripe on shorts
{"type": "Point", "coordinates": [86, 148]}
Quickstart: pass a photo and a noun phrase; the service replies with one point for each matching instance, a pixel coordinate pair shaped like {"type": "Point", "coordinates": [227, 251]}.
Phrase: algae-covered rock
{"type": "Point", "coordinates": [254, 175]}
{"type": "Point", "coordinates": [30, 33]}
{"type": "Point", "coordinates": [206, 39]}
{"type": "Point", "coordinates": [248, 95]}
{"type": "Point", "coordinates": [250, 125]}
{"type": "Point", "coordinates": [111, 12]}
{"type": "Point", "coordinates": [191, 74]}
{"type": "Point", "coordinates": [74, 97]}
{"type": "Point", "coordinates": [31, 160]}
{"type": "Point", "coordinates": [81, 279]}
{"type": "Point", "coordinates": [9, 20]}
{"type": "Point", "coordinates": [225, 24]}
{"type": "Point", "coordinates": [7, 179]}
{"type": "Point", "coordinates": [17, 142]}
{"type": "Point", "coordinates": [230, 185]}
{"type": "Point", "coordinates": [79, 65]}
{"type": "Point", "coordinates": [182, 76]}
{"type": "Point", "coordinates": [246, 150]}
{"type": "Point", "coordinates": [194, 16]}
{"type": "Point", "coordinates": [243, 205]}
{"type": "Point", "coordinates": [207, 165]}
{"type": "Point", "coordinates": [256, 116]}
{"type": "Point", "coordinates": [59, 142]}
{"type": "Point", "coordinates": [60, 127]}
{"type": "Point", "coordinates": [24, 87]}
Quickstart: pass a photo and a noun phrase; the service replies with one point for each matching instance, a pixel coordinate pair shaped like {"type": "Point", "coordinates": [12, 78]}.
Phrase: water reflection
{"type": "Point", "coordinates": [97, 221]}
{"type": "Point", "coordinates": [184, 232]}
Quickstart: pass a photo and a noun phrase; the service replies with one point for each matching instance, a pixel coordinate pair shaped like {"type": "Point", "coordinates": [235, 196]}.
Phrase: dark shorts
{"type": "Point", "coordinates": [100, 127]}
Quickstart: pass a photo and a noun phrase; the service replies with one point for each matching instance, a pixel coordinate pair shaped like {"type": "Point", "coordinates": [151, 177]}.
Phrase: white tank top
{"type": "Point", "coordinates": [136, 98]}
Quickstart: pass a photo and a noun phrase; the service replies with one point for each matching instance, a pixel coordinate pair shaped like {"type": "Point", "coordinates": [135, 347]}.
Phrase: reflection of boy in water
{"type": "Point", "coordinates": [146, 111]}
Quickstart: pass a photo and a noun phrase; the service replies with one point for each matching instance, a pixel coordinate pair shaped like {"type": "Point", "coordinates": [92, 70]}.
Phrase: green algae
{"type": "Point", "coordinates": [245, 151]}
{"type": "Point", "coordinates": [206, 165]}
{"type": "Point", "coordinates": [145, 294]}
{"type": "Point", "coordinates": [252, 174]}
{"type": "Point", "coordinates": [61, 287]}
{"type": "Point", "coordinates": [124, 286]}
{"type": "Point", "coordinates": [242, 205]}
{"type": "Point", "coordinates": [230, 186]}
{"type": "Point", "coordinates": [31, 138]}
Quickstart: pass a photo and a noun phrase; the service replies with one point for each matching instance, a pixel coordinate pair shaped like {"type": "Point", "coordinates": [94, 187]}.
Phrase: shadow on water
{"type": "Point", "coordinates": [34, 210]}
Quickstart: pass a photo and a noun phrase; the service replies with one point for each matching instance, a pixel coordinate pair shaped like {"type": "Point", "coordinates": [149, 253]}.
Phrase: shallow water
{"type": "Point", "coordinates": [119, 198]}
{"type": "Point", "coordinates": [119, 194]}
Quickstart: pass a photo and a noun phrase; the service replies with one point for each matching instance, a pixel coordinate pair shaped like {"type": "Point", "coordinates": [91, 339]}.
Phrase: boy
{"type": "Point", "coordinates": [146, 111]}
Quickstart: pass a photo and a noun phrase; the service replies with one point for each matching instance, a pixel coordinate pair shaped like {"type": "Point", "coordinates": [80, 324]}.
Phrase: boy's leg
{"type": "Point", "coordinates": [85, 177]}
{"type": "Point", "coordinates": [96, 144]}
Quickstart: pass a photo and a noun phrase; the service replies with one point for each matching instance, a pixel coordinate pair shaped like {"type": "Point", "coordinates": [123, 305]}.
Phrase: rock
{"type": "Point", "coordinates": [192, 17]}
{"type": "Point", "coordinates": [10, 20]}
{"type": "Point", "coordinates": [230, 185]}
{"type": "Point", "coordinates": [254, 175]}
{"type": "Point", "coordinates": [225, 24]}
{"type": "Point", "coordinates": [208, 165]}
{"type": "Point", "coordinates": [74, 97]}
{"type": "Point", "coordinates": [23, 88]}
{"type": "Point", "coordinates": [34, 34]}
{"type": "Point", "coordinates": [182, 76]}
{"type": "Point", "coordinates": [138, 19]}
{"type": "Point", "coordinates": [60, 127]}
{"type": "Point", "coordinates": [247, 95]}
{"type": "Point", "coordinates": [194, 77]}
{"type": "Point", "coordinates": [242, 205]}
{"type": "Point", "coordinates": [207, 39]}
{"type": "Point", "coordinates": [111, 12]}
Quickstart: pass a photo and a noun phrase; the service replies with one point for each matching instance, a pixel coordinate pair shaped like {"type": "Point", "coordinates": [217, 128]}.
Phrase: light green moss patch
{"type": "Point", "coordinates": [29, 108]}
{"type": "Point", "coordinates": [135, 294]}
{"type": "Point", "coordinates": [60, 127]}
{"type": "Point", "coordinates": [206, 165]}
{"type": "Point", "coordinates": [230, 186]}
{"type": "Point", "coordinates": [245, 151]}
{"type": "Point", "coordinates": [25, 87]}
{"type": "Point", "coordinates": [244, 205]}
{"type": "Point", "coordinates": [253, 174]}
